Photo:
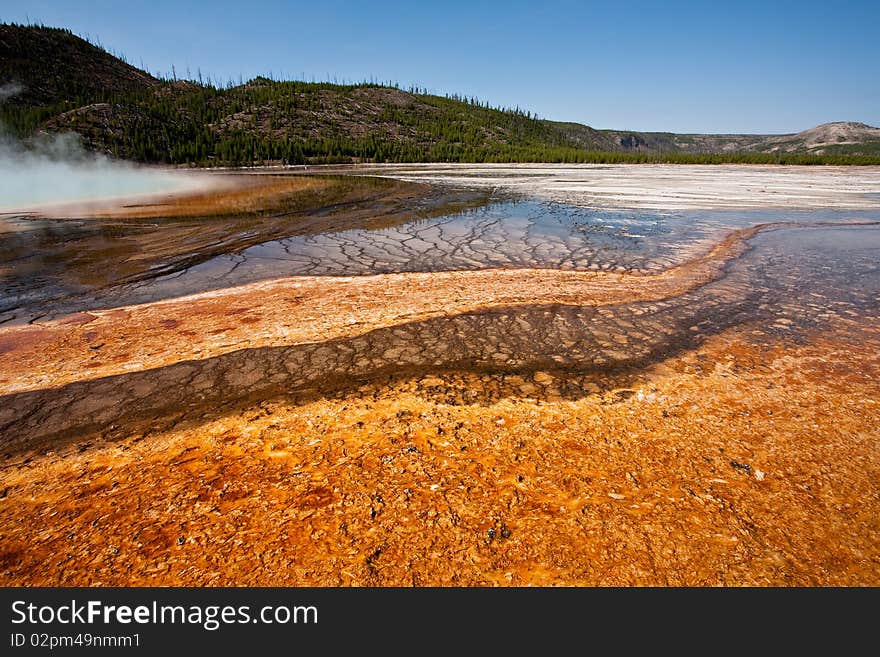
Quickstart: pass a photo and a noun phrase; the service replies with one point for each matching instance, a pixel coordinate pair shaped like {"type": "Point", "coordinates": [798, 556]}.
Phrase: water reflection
{"type": "Point", "coordinates": [58, 266]}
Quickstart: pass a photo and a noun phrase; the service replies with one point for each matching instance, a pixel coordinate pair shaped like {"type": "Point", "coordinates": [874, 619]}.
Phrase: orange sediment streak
{"type": "Point", "coordinates": [302, 309]}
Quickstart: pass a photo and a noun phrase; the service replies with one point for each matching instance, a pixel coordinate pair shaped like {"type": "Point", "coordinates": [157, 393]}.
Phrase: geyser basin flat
{"type": "Point", "coordinates": [357, 226]}
{"type": "Point", "coordinates": [402, 383]}
{"type": "Point", "coordinates": [657, 186]}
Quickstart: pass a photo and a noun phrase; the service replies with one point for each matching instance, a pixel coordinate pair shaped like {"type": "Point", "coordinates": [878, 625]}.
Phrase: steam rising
{"type": "Point", "coordinates": [56, 169]}
{"type": "Point", "coordinates": [9, 90]}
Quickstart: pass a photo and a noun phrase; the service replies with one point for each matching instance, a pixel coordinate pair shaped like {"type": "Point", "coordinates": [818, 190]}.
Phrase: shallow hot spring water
{"type": "Point", "coordinates": [807, 266]}
{"type": "Point", "coordinates": [49, 266]}
{"type": "Point", "coordinates": [805, 270]}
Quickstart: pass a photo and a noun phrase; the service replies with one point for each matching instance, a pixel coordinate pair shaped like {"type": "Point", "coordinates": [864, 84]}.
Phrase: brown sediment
{"type": "Point", "coordinates": [305, 309]}
{"type": "Point", "coordinates": [236, 194]}
{"type": "Point", "coordinates": [739, 463]}
{"type": "Point", "coordinates": [715, 423]}
{"type": "Point", "coordinates": [459, 428]}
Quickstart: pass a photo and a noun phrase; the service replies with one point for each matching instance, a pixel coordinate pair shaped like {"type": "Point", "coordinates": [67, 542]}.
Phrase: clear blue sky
{"type": "Point", "coordinates": [708, 66]}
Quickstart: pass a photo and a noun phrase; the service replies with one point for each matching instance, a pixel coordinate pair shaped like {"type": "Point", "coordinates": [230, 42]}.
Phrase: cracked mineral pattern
{"type": "Point", "coordinates": [722, 430]}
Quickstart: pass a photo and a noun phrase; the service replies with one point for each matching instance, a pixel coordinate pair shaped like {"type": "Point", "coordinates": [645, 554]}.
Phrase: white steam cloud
{"type": "Point", "coordinates": [9, 90]}
{"type": "Point", "coordinates": [55, 169]}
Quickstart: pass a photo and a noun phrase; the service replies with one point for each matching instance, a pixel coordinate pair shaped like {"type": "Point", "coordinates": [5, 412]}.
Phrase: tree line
{"type": "Point", "coordinates": [292, 122]}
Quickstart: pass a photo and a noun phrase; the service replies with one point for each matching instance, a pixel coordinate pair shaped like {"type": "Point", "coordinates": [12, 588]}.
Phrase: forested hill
{"type": "Point", "coordinates": [53, 81]}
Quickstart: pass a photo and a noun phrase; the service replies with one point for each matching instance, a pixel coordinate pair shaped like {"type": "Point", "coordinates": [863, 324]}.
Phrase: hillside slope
{"type": "Point", "coordinates": [51, 65]}
{"type": "Point", "coordinates": [838, 137]}
{"type": "Point", "coordinates": [54, 81]}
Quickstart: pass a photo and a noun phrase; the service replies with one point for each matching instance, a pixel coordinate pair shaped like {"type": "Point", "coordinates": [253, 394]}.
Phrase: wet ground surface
{"type": "Point", "coordinates": [792, 280]}
{"type": "Point", "coordinates": [52, 266]}
{"type": "Point", "coordinates": [507, 234]}
{"type": "Point", "coordinates": [736, 187]}
{"type": "Point", "coordinates": [723, 433]}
